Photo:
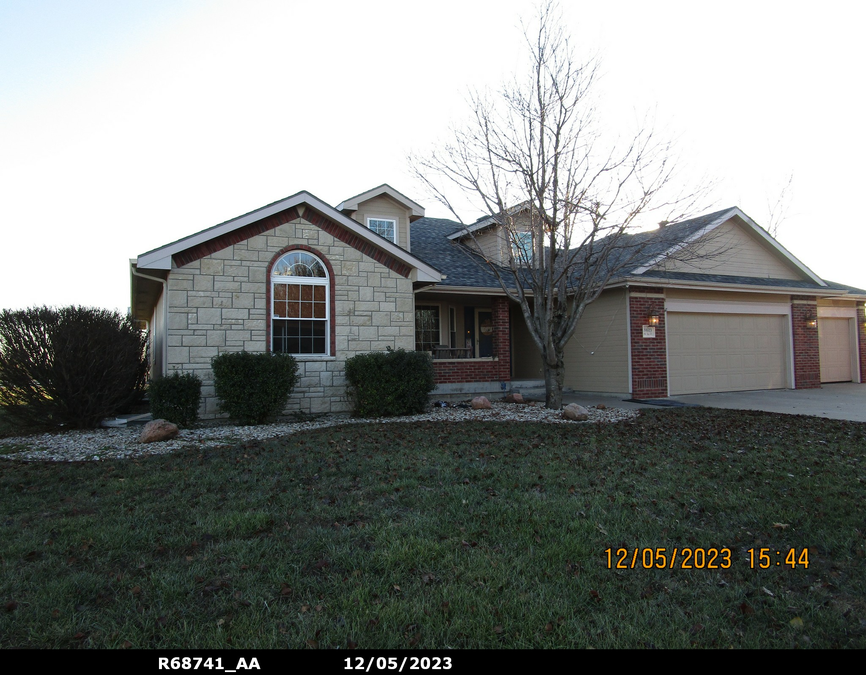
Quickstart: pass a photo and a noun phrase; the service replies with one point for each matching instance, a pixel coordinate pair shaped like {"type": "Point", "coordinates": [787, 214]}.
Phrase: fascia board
{"type": "Point", "coordinates": [760, 231]}
{"type": "Point", "coordinates": [725, 217]}
{"type": "Point", "coordinates": [161, 258]}
{"type": "Point", "coordinates": [718, 286]}
{"type": "Point", "coordinates": [353, 203]}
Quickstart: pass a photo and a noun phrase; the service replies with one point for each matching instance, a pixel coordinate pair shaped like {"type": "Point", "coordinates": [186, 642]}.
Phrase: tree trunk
{"type": "Point", "coordinates": [554, 378]}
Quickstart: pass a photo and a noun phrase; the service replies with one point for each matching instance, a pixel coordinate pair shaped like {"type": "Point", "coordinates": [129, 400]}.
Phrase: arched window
{"type": "Point", "coordinates": [300, 306]}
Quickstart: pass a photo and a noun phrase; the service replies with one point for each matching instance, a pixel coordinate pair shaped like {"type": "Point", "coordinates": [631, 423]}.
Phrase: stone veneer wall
{"type": "Point", "coordinates": [649, 364]}
{"type": "Point", "coordinates": [807, 363]}
{"type": "Point", "coordinates": [218, 304]}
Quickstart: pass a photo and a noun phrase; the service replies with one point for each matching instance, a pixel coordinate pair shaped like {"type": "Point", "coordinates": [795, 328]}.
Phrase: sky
{"type": "Point", "coordinates": [128, 124]}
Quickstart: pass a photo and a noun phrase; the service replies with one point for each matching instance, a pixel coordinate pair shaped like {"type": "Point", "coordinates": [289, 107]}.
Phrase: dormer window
{"type": "Point", "coordinates": [385, 227]}
{"type": "Point", "coordinates": [521, 247]}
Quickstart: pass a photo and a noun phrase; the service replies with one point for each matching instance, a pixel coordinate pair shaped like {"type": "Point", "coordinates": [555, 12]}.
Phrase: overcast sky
{"type": "Point", "coordinates": [125, 125]}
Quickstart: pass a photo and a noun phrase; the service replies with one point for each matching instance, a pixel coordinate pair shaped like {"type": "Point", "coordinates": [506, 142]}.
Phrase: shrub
{"type": "Point", "coordinates": [175, 398]}
{"type": "Point", "coordinates": [385, 384]}
{"type": "Point", "coordinates": [71, 366]}
{"type": "Point", "coordinates": [253, 388]}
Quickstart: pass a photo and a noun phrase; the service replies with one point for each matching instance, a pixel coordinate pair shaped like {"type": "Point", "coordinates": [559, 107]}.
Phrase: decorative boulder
{"type": "Point", "coordinates": [158, 430]}
{"type": "Point", "coordinates": [575, 412]}
{"type": "Point", "coordinates": [514, 398]}
{"type": "Point", "coordinates": [601, 406]}
{"type": "Point", "coordinates": [481, 403]}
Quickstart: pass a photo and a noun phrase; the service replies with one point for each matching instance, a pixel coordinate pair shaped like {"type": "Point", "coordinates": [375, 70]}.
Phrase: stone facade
{"type": "Point", "coordinates": [219, 303]}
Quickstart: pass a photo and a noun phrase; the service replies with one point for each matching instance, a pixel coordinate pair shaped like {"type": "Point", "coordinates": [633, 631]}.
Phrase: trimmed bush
{"type": "Point", "coordinates": [390, 383]}
{"type": "Point", "coordinates": [253, 388]}
{"type": "Point", "coordinates": [71, 366]}
{"type": "Point", "coordinates": [175, 398]}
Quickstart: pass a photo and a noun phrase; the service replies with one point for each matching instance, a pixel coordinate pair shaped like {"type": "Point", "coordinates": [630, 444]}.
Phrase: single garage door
{"type": "Point", "coordinates": [726, 352]}
{"type": "Point", "coordinates": [834, 346]}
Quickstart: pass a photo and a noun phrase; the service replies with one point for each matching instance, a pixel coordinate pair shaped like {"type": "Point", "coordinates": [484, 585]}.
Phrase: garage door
{"type": "Point", "coordinates": [726, 352]}
{"type": "Point", "coordinates": [834, 345]}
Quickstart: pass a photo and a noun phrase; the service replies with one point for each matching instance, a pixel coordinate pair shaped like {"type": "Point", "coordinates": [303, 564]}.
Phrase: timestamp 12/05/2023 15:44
{"type": "Point", "coordinates": [703, 558]}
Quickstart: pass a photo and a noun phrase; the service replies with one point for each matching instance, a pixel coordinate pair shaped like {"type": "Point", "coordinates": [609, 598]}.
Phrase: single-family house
{"type": "Point", "coordinates": [327, 282]}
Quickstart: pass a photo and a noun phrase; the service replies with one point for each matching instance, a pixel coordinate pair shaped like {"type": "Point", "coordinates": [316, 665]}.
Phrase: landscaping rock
{"type": "Point", "coordinates": [601, 406]}
{"type": "Point", "coordinates": [575, 412]}
{"type": "Point", "coordinates": [481, 403]}
{"type": "Point", "coordinates": [158, 430]}
{"type": "Point", "coordinates": [514, 398]}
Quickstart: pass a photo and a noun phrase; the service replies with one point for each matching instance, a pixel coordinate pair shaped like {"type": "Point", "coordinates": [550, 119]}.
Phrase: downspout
{"type": "Point", "coordinates": [164, 283]}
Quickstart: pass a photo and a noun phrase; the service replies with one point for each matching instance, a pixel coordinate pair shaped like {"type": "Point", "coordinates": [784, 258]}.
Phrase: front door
{"type": "Point", "coordinates": [485, 333]}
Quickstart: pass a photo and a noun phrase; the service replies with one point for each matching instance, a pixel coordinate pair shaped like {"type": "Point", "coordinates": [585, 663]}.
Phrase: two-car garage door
{"type": "Point", "coordinates": [713, 352]}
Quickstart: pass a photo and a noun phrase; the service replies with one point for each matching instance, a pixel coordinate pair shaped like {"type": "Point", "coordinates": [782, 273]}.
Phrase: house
{"type": "Point", "coordinates": [325, 283]}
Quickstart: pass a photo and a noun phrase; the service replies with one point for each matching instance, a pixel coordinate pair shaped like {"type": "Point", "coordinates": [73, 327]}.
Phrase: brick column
{"type": "Point", "coordinates": [807, 365]}
{"type": "Point", "coordinates": [861, 335]}
{"type": "Point", "coordinates": [502, 338]}
{"type": "Point", "coordinates": [649, 365]}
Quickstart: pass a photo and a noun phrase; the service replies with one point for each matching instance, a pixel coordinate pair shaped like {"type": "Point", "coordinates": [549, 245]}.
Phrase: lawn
{"type": "Point", "coordinates": [450, 535]}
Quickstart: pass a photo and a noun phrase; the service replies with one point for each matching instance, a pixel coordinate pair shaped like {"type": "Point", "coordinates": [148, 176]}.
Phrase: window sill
{"type": "Point", "coordinates": [301, 358]}
{"type": "Point", "coordinates": [472, 360]}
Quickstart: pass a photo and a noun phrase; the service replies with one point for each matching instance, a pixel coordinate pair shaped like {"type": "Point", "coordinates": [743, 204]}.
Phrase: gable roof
{"type": "Point", "coordinates": [416, 211]}
{"type": "Point", "coordinates": [437, 241]}
{"type": "Point", "coordinates": [161, 258]}
{"type": "Point", "coordinates": [694, 229]}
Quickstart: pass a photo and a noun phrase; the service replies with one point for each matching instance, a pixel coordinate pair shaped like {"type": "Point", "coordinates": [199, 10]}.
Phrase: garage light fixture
{"type": "Point", "coordinates": [811, 321]}
{"type": "Point", "coordinates": [653, 318]}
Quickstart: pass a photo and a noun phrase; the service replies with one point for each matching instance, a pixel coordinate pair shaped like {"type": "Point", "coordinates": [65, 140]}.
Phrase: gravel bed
{"type": "Point", "coordinates": [123, 443]}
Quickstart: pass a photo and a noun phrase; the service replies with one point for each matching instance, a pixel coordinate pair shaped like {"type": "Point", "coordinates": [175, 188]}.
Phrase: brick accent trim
{"type": "Point", "coordinates": [332, 302]}
{"type": "Point", "coordinates": [649, 361]}
{"type": "Point", "coordinates": [274, 221]}
{"type": "Point", "coordinates": [341, 233]}
{"type": "Point", "coordinates": [494, 370]}
{"type": "Point", "coordinates": [807, 363]}
{"type": "Point", "coordinates": [861, 336]}
{"type": "Point", "coordinates": [210, 247]}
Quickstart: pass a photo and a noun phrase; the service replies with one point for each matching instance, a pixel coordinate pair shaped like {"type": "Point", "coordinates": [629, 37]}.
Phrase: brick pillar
{"type": "Point", "coordinates": [502, 338]}
{"type": "Point", "coordinates": [807, 364]}
{"type": "Point", "coordinates": [861, 335]}
{"type": "Point", "coordinates": [649, 364]}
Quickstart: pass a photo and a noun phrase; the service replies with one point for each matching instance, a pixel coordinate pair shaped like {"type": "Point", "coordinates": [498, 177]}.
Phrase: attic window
{"type": "Point", "coordinates": [385, 227]}
{"type": "Point", "coordinates": [521, 247]}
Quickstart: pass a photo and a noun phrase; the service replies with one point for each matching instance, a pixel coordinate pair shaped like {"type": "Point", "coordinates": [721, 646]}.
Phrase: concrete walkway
{"type": "Point", "coordinates": [844, 401]}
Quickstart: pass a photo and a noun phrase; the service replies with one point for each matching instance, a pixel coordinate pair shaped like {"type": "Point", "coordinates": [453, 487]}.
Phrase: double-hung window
{"type": "Point", "coordinates": [521, 247]}
{"type": "Point", "coordinates": [300, 310]}
{"type": "Point", "coordinates": [385, 227]}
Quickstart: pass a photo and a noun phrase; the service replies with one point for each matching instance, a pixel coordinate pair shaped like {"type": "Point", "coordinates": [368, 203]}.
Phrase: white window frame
{"type": "Point", "coordinates": [325, 282]}
{"type": "Point", "coordinates": [522, 250]}
{"type": "Point", "coordinates": [383, 219]}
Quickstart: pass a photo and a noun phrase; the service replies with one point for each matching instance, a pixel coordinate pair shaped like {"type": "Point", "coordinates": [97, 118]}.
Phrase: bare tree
{"type": "Point", "coordinates": [777, 211]}
{"type": "Point", "coordinates": [533, 157]}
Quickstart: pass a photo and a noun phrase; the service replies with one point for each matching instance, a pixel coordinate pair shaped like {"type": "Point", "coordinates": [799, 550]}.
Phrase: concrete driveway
{"type": "Point", "coordinates": [845, 401]}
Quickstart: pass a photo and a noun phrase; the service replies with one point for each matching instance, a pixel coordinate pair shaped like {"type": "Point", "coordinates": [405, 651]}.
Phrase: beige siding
{"type": "Point", "coordinates": [218, 304]}
{"type": "Point", "coordinates": [385, 207]}
{"type": "Point", "coordinates": [596, 357]}
{"type": "Point", "coordinates": [732, 250]}
{"type": "Point", "coordinates": [525, 357]}
{"type": "Point", "coordinates": [491, 244]}
{"type": "Point", "coordinates": [726, 296]}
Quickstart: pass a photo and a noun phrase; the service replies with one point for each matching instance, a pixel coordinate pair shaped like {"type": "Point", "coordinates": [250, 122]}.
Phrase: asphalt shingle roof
{"type": "Point", "coordinates": [463, 268]}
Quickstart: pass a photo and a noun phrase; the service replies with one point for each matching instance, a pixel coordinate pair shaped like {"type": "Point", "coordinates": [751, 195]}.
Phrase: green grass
{"type": "Point", "coordinates": [472, 535]}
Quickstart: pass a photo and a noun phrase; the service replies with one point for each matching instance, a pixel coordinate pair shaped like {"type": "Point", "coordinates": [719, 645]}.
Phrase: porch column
{"type": "Point", "coordinates": [502, 338]}
{"type": "Point", "coordinates": [807, 363]}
